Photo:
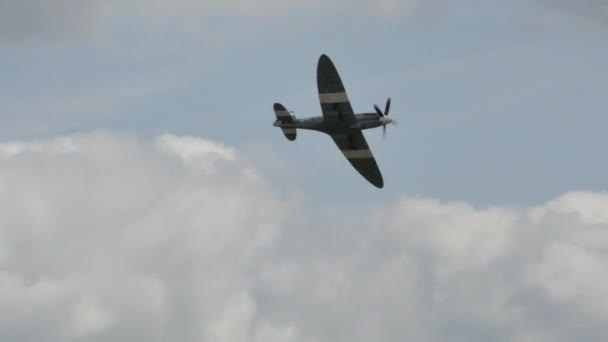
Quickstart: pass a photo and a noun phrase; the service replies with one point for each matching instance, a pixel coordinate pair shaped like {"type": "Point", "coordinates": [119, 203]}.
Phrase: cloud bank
{"type": "Point", "coordinates": [110, 237]}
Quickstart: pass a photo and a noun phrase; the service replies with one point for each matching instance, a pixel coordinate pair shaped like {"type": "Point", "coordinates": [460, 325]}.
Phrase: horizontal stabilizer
{"type": "Point", "coordinates": [282, 113]}
{"type": "Point", "coordinates": [285, 117]}
{"type": "Point", "coordinates": [290, 133]}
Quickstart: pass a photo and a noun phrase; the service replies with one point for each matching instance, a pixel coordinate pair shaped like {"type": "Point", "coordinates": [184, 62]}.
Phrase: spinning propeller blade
{"type": "Point", "coordinates": [388, 106]}
{"type": "Point", "coordinates": [378, 111]}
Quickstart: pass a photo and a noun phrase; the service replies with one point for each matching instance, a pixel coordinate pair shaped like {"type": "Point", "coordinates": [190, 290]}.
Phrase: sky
{"type": "Point", "coordinates": [145, 194]}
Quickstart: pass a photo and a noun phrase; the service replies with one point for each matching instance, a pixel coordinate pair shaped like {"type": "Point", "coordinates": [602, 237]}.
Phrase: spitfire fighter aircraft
{"type": "Point", "coordinates": [339, 122]}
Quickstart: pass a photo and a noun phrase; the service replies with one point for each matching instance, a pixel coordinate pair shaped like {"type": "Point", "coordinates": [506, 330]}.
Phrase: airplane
{"type": "Point", "coordinates": [339, 122]}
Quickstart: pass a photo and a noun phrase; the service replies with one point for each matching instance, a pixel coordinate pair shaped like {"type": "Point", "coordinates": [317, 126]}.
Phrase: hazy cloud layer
{"type": "Point", "coordinates": [107, 237]}
{"type": "Point", "coordinates": [60, 20]}
{"type": "Point", "coordinates": [43, 21]}
{"type": "Point", "coordinates": [595, 10]}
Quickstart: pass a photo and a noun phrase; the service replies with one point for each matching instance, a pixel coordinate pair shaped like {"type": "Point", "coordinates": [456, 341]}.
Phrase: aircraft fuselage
{"type": "Point", "coordinates": [318, 123]}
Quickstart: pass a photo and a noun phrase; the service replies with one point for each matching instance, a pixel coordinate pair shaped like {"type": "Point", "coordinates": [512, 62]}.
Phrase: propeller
{"type": "Point", "coordinates": [384, 132]}
{"type": "Point", "coordinates": [383, 114]}
{"type": "Point", "coordinates": [378, 111]}
{"type": "Point", "coordinates": [388, 106]}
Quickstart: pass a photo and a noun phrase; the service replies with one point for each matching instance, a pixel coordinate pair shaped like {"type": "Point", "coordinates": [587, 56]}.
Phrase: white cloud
{"type": "Point", "coordinates": [108, 237]}
{"type": "Point", "coordinates": [193, 151]}
{"type": "Point", "coordinates": [589, 209]}
{"type": "Point", "coordinates": [89, 318]}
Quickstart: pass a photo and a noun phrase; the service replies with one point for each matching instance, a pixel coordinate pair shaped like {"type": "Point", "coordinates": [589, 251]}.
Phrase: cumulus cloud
{"type": "Point", "coordinates": [111, 237]}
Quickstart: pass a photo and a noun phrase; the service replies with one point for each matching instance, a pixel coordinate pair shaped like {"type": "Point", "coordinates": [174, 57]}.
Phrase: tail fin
{"type": "Point", "coordinates": [284, 116]}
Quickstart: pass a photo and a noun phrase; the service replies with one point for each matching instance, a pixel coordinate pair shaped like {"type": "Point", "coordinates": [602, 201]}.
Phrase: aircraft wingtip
{"type": "Point", "coordinates": [378, 183]}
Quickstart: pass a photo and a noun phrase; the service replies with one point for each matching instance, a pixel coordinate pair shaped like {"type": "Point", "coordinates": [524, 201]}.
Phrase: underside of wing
{"type": "Point", "coordinates": [355, 149]}
{"type": "Point", "coordinates": [334, 102]}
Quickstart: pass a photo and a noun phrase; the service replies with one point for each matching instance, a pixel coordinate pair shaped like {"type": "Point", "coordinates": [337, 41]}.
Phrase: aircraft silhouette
{"type": "Point", "coordinates": [339, 122]}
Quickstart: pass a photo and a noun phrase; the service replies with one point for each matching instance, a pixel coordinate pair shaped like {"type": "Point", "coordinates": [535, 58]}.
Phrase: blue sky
{"type": "Point", "coordinates": [498, 103]}
{"type": "Point", "coordinates": [146, 195]}
{"type": "Point", "coordinates": [481, 102]}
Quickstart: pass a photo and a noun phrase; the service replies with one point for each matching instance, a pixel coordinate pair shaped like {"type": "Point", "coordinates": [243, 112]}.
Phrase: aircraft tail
{"type": "Point", "coordinates": [284, 116]}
